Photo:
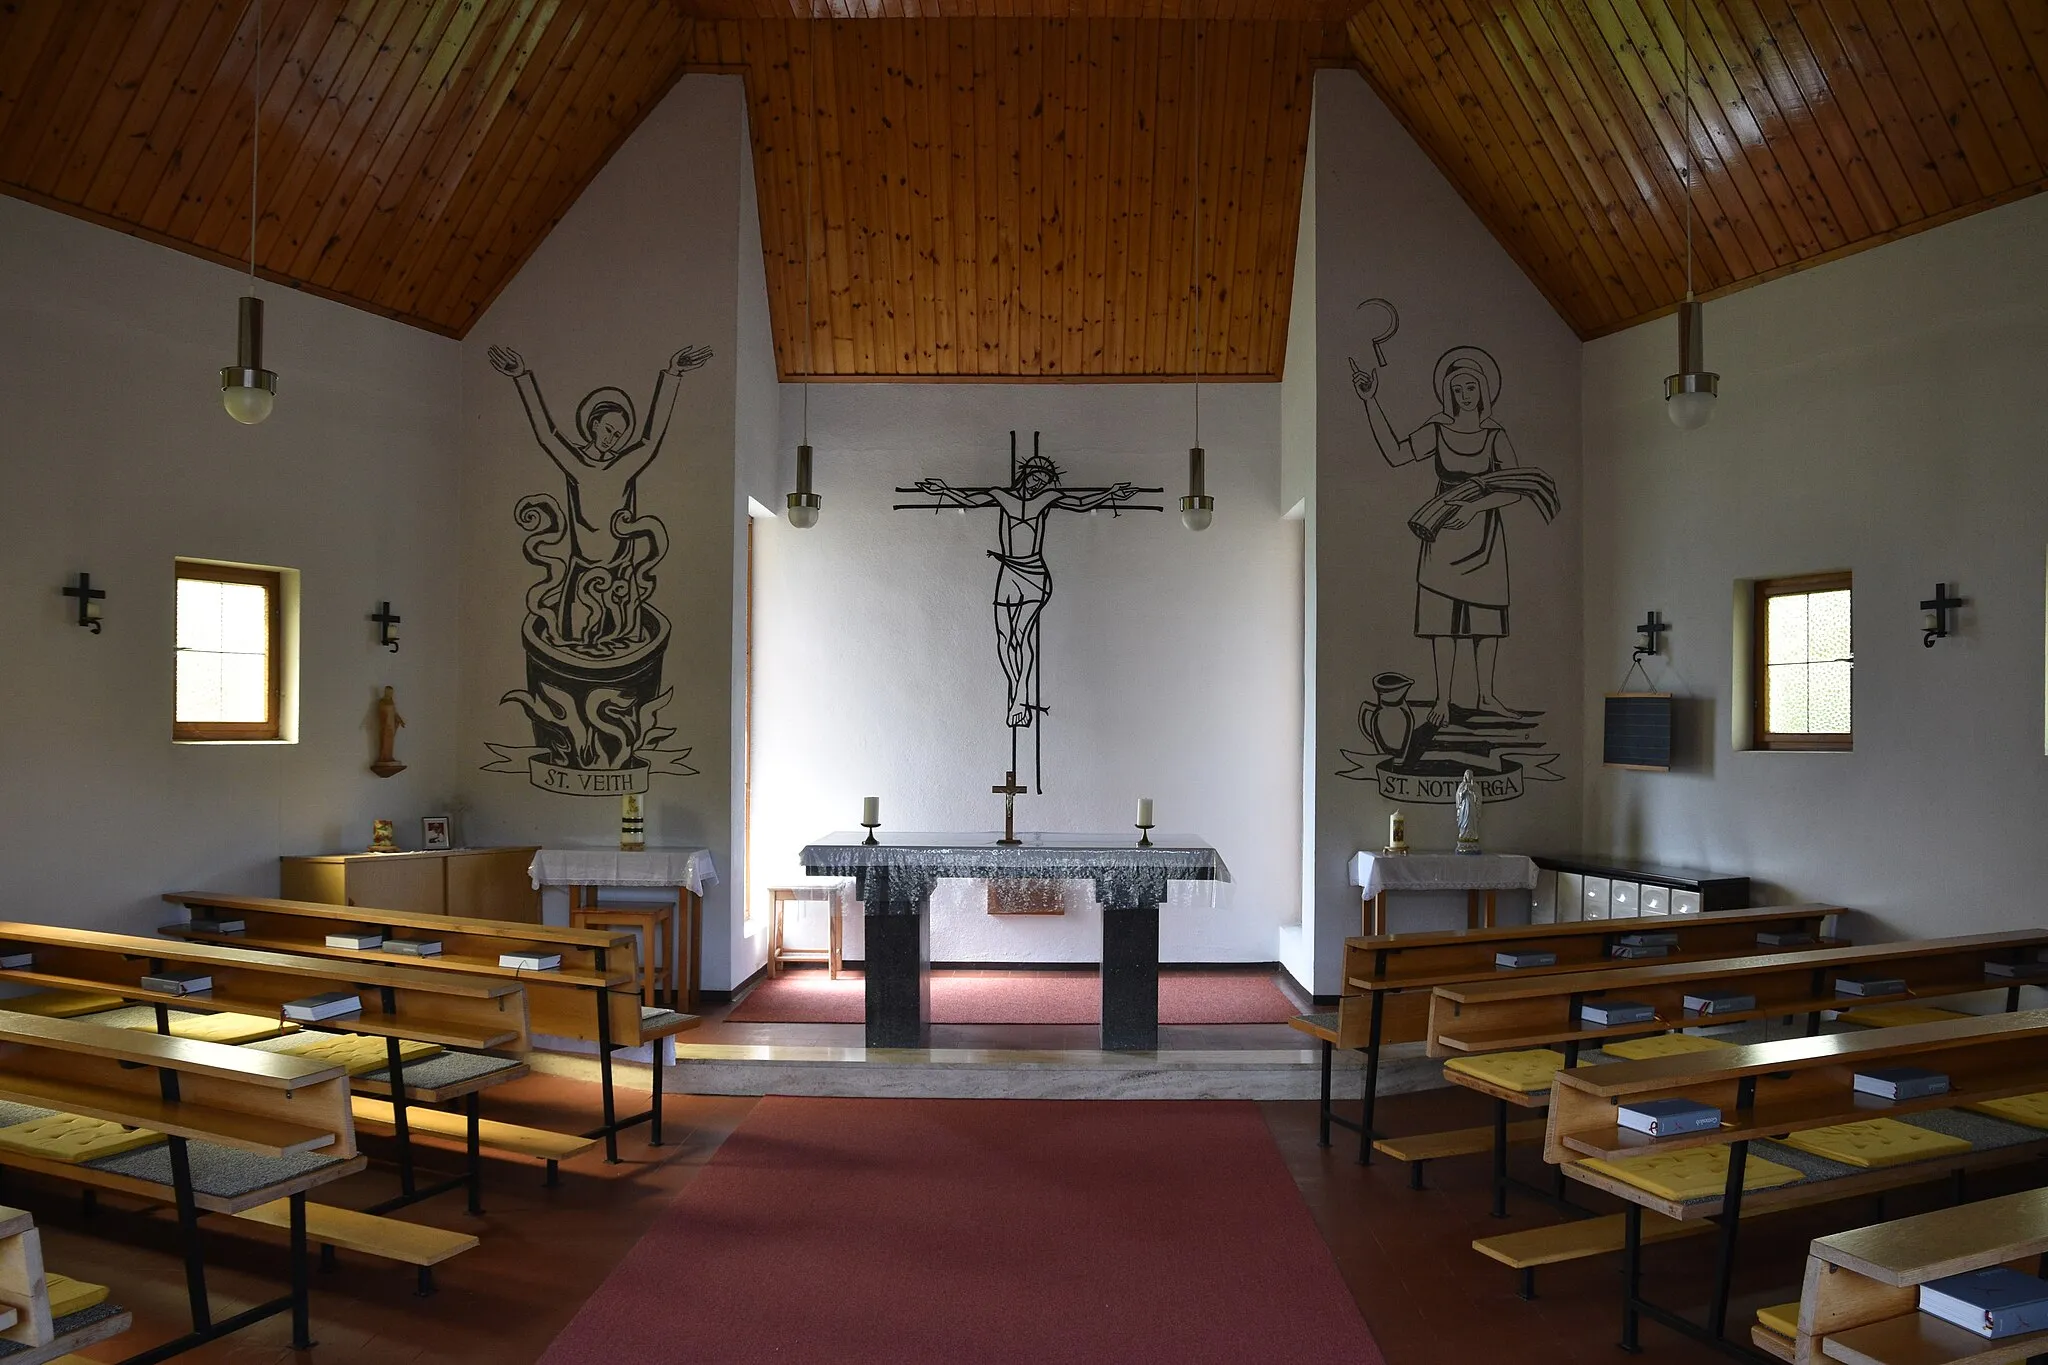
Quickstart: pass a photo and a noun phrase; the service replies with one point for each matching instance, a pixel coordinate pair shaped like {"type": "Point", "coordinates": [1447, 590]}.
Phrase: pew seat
{"type": "Point", "coordinates": [390, 1239]}
{"type": "Point", "coordinates": [510, 1138]}
{"type": "Point", "coordinates": [1419, 1148]}
{"type": "Point", "coordinates": [1558, 1243]}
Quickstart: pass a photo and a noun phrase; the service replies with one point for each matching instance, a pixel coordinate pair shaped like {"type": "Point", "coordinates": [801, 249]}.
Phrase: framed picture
{"type": "Point", "coordinates": [434, 832]}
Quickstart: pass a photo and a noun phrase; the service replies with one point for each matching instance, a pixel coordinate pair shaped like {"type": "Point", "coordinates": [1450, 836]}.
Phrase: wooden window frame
{"type": "Point", "coordinates": [1764, 589]}
{"type": "Point", "coordinates": [271, 727]}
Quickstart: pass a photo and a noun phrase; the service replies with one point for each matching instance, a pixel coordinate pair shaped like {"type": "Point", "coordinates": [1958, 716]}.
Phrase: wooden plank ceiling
{"type": "Point", "coordinates": [1818, 127]}
{"type": "Point", "coordinates": [1002, 188]}
{"type": "Point", "coordinates": [1016, 197]}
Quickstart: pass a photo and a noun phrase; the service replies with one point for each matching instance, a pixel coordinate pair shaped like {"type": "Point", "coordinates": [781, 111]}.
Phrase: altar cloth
{"type": "Point", "coordinates": [690, 868]}
{"type": "Point", "coordinates": [1377, 872]}
{"type": "Point", "coordinates": [1123, 873]}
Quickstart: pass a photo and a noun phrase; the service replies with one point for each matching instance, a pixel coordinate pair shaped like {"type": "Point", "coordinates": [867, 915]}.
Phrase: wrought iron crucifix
{"type": "Point", "coordinates": [1023, 581]}
{"type": "Point", "coordinates": [1010, 791]}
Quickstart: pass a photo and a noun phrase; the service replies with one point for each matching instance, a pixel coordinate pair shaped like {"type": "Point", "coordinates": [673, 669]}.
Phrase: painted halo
{"type": "Point", "coordinates": [1466, 358]}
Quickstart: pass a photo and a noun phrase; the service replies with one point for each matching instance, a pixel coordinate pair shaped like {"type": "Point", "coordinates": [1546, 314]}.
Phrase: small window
{"type": "Point", "coordinates": [1804, 660]}
{"type": "Point", "coordinates": [228, 652]}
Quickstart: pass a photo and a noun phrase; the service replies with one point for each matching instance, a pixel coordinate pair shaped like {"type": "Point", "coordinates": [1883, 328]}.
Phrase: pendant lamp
{"type": "Point", "coordinates": [247, 390]}
{"type": "Point", "coordinates": [1690, 394]}
{"type": "Point", "coordinates": [804, 504]}
{"type": "Point", "coordinates": [1197, 508]}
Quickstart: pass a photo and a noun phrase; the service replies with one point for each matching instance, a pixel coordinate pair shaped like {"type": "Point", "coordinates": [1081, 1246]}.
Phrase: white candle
{"type": "Point", "coordinates": [1144, 810]}
{"type": "Point", "coordinates": [871, 811]}
{"type": "Point", "coordinates": [1397, 830]}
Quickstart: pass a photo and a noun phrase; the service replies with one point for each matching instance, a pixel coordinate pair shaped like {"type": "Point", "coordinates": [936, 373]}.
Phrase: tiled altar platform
{"type": "Point", "coordinates": [1009, 1061]}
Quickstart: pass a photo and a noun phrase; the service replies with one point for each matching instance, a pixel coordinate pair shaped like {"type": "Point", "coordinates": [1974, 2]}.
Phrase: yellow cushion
{"type": "Point", "coordinates": [1897, 1016]}
{"type": "Point", "coordinates": [74, 1138]}
{"type": "Point", "coordinates": [1663, 1045]}
{"type": "Point", "coordinates": [1875, 1142]}
{"type": "Point", "coordinates": [359, 1052]}
{"type": "Point", "coordinates": [72, 1296]}
{"type": "Point", "coordinates": [1782, 1318]}
{"type": "Point", "coordinates": [1524, 1071]}
{"type": "Point", "coordinates": [1693, 1173]}
{"type": "Point", "coordinates": [62, 1004]}
{"type": "Point", "coordinates": [222, 1028]}
{"type": "Point", "coordinates": [2032, 1110]}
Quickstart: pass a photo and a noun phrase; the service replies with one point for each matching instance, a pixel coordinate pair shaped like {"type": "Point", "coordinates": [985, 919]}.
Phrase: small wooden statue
{"type": "Point", "coordinates": [388, 721]}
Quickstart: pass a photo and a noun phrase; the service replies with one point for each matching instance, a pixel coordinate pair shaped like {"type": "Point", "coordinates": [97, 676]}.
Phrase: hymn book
{"type": "Point", "coordinates": [1993, 1302]}
{"type": "Point", "coordinates": [1528, 957]}
{"type": "Point", "coordinates": [327, 1005]}
{"type": "Point", "coordinates": [531, 961]}
{"type": "Point", "coordinates": [413, 947]}
{"type": "Point", "coordinates": [360, 941]}
{"type": "Point", "coordinates": [178, 983]}
{"type": "Point", "coordinates": [1668, 1118]}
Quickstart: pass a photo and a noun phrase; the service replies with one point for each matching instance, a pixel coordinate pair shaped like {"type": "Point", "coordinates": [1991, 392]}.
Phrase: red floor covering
{"type": "Point", "coordinates": [1043, 1231]}
{"type": "Point", "coordinates": [1041, 997]}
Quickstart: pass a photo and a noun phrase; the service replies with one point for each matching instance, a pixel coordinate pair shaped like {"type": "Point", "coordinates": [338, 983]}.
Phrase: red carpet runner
{"type": "Point", "coordinates": [972, 1231]}
{"type": "Point", "coordinates": [1208, 997]}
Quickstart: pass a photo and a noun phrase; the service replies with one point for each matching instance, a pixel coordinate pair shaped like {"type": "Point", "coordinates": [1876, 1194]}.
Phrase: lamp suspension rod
{"type": "Point", "coordinates": [255, 137]}
{"type": "Point", "coordinates": [1195, 232]}
{"type": "Point", "coordinates": [810, 171]}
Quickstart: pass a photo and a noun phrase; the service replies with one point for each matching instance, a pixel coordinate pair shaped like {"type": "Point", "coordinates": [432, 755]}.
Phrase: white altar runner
{"type": "Point", "coordinates": [1478, 875]}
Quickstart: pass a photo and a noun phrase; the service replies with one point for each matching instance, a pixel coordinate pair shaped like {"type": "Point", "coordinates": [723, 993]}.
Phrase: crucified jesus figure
{"type": "Point", "coordinates": [1023, 583]}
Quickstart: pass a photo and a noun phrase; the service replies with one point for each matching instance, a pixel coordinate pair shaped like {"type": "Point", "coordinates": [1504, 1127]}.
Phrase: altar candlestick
{"type": "Point", "coordinates": [870, 815]}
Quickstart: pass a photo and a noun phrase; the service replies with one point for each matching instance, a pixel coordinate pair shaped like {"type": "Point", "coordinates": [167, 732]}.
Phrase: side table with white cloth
{"type": "Point", "coordinates": [1481, 876]}
{"type": "Point", "coordinates": [681, 874]}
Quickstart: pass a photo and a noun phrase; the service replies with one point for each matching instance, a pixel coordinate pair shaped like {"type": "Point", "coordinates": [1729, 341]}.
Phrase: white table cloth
{"type": "Point", "coordinates": [690, 868]}
{"type": "Point", "coordinates": [1377, 872]}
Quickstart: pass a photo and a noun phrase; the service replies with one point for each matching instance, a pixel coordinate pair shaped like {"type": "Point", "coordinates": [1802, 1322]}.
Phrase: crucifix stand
{"type": "Point", "coordinates": [1009, 791]}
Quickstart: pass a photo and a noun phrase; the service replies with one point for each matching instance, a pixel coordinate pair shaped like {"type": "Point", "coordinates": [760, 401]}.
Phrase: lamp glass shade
{"type": "Point", "coordinates": [1689, 409]}
{"type": "Point", "coordinates": [803, 510]}
{"type": "Point", "coordinates": [1197, 512]}
{"type": "Point", "coordinates": [247, 404]}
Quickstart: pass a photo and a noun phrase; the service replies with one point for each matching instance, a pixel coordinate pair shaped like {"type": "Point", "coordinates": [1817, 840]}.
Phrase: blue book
{"type": "Point", "coordinates": [1668, 1118]}
{"type": "Point", "coordinates": [1525, 957]}
{"type": "Point", "coordinates": [1608, 1013]}
{"type": "Point", "coordinates": [1994, 1302]}
{"type": "Point", "coordinates": [1900, 1082]}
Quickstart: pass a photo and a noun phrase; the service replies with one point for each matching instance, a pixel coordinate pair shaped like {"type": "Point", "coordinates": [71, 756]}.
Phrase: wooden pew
{"type": "Point", "coordinates": [1860, 1298]}
{"type": "Point", "coordinates": [594, 997]}
{"type": "Point", "coordinates": [1513, 1012]}
{"type": "Point", "coordinates": [399, 1003]}
{"type": "Point", "coordinates": [1772, 1090]}
{"type": "Point", "coordinates": [35, 1327]}
{"type": "Point", "coordinates": [1397, 972]}
{"type": "Point", "coordinates": [264, 1106]}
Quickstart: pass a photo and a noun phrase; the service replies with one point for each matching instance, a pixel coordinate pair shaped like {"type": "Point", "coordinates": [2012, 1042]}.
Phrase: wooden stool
{"type": "Point", "coordinates": [657, 945]}
{"type": "Point", "coordinates": [832, 892]}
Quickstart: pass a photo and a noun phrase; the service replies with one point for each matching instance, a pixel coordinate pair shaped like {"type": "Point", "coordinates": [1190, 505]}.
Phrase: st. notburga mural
{"type": "Point", "coordinates": [1422, 744]}
{"type": "Point", "coordinates": [593, 638]}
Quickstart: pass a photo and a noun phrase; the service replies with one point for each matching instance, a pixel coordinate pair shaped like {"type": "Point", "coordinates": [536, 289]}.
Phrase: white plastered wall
{"type": "Point", "coordinates": [117, 459]}
{"type": "Point", "coordinates": [1878, 414]}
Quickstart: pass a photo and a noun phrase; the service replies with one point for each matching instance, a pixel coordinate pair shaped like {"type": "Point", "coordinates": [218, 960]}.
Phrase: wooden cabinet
{"type": "Point", "coordinates": [472, 883]}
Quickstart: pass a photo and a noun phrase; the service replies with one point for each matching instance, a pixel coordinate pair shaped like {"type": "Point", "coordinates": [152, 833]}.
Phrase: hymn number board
{"type": "Point", "coordinates": [1637, 732]}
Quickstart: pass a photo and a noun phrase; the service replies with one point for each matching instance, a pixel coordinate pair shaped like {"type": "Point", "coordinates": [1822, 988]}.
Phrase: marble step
{"type": "Point", "coordinates": [973, 1073]}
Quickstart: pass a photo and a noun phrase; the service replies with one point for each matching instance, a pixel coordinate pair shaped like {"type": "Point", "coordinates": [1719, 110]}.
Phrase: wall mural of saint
{"type": "Point", "coordinates": [1421, 747]}
{"type": "Point", "coordinates": [593, 638]}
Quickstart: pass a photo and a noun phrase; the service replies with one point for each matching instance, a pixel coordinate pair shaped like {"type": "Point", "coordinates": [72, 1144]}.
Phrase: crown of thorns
{"type": "Point", "coordinates": [1038, 464]}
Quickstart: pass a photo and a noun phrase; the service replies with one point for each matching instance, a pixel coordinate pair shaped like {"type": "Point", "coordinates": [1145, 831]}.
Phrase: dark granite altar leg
{"type": "Point", "coordinates": [899, 979]}
{"type": "Point", "coordinates": [1130, 979]}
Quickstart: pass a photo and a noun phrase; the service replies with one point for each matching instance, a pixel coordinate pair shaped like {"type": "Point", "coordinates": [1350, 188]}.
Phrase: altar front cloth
{"type": "Point", "coordinates": [1373, 873]}
{"type": "Point", "coordinates": [894, 877]}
